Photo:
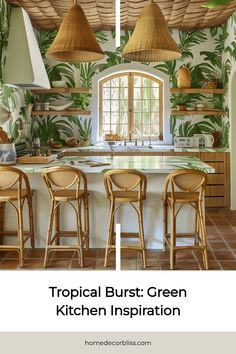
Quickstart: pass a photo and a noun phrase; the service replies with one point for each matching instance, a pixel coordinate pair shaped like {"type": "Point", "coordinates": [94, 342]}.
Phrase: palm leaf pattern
{"type": "Point", "coordinates": [188, 39]}
{"type": "Point", "coordinates": [50, 127]}
{"type": "Point", "coordinates": [101, 36]}
{"type": "Point", "coordinates": [209, 63]}
{"type": "Point", "coordinates": [45, 39]}
{"type": "Point", "coordinates": [4, 29]}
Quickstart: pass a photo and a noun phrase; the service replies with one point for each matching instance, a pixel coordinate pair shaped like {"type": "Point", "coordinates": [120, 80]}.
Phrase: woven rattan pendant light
{"type": "Point", "coordinates": [75, 40]}
{"type": "Point", "coordinates": [151, 39]}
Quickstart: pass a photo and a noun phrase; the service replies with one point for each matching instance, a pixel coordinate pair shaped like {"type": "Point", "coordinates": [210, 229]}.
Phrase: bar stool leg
{"type": "Point", "coordinates": [203, 233]}
{"type": "Point", "coordinates": [196, 240]}
{"type": "Point", "coordinates": [141, 234]}
{"type": "Point", "coordinates": [20, 235]}
{"type": "Point", "coordinates": [113, 241]}
{"type": "Point", "coordinates": [172, 237]}
{"type": "Point", "coordinates": [49, 233]}
{"type": "Point", "coordinates": [79, 233]}
{"type": "Point", "coordinates": [165, 224]}
{"type": "Point", "coordinates": [86, 222]}
{"type": "Point", "coordinates": [110, 232]}
{"type": "Point", "coordinates": [57, 224]}
{"type": "Point", "coordinates": [31, 220]}
{"type": "Point", "coordinates": [2, 218]}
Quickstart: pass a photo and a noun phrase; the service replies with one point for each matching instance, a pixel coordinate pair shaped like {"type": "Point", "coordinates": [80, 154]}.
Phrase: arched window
{"type": "Point", "coordinates": [131, 102]}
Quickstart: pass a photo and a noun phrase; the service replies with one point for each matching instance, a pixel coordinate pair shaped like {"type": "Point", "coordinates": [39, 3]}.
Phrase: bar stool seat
{"type": "Point", "coordinates": [183, 197]}
{"type": "Point", "coordinates": [12, 181]}
{"type": "Point", "coordinates": [12, 194]}
{"type": "Point", "coordinates": [126, 196]}
{"type": "Point", "coordinates": [125, 187]}
{"type": "Point", "coordinates": [184, 187]}
{"type": "Point", "coordinates": [68, 195]}
{"type": "Point", "coordinates": [60, 180]}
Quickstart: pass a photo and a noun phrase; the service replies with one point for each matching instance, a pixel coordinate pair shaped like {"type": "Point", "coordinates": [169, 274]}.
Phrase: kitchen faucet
{"type": "Point", "coordinates": [150, 142]}
{"type": "Point", "coordinates": [130, 136]}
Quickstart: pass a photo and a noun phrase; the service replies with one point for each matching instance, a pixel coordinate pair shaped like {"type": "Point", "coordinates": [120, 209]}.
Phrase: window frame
{"type": "Point", "coordinates": [130, 75]}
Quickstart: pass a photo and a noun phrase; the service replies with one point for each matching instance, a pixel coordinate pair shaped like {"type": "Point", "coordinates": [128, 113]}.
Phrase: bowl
{"type": "Point", "coordinates": [72, 141]}
{"type": "Point", "coordinates": [56, 145]}
{"type": "Point", "coordinates": [200, 106]}
{"type": "Point", "coordinates": [60, 105]}
{"type": "Point", "coordinates": [59, 83]}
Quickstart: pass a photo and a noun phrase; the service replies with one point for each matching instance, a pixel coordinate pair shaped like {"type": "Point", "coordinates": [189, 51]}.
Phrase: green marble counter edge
{"type": "Point", "coordinates": [172, 163]}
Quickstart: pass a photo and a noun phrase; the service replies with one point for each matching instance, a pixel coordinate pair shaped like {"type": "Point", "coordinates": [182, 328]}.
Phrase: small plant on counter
{"type": "Point", "coordinates": [85, 129]}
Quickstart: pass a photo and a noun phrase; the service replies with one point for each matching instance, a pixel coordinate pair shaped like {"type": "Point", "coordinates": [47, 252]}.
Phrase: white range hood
{"type": "Point", "coordinates": [24, 64]}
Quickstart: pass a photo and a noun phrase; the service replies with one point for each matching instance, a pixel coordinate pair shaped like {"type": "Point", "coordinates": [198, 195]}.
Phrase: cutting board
{"type": "Point", "coordinates": [36, 159]}
{"type": "Point", "coordinates": [3, 136]}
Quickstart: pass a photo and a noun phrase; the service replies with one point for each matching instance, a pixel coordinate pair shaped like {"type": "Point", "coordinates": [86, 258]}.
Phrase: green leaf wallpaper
{"type": "Point", "coordinates": [208, 54]}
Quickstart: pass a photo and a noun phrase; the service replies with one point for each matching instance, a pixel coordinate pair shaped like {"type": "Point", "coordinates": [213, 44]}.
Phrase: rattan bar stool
{"type": "Point", "coordinates": [184, 187]}
{"type": "Point", "coordinates": [15, 190]}
{"type": "Point", "coordinates": [60, 181]}
{"type": "Point", "coordinates": [122, 187]}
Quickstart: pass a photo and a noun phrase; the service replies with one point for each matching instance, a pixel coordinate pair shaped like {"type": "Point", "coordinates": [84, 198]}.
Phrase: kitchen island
{"type": "Point", "coordinates": [155, 167]}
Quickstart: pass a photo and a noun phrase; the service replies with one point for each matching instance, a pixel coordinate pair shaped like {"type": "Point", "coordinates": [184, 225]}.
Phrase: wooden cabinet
{"type": "Point", "coordinates": [218, 186]}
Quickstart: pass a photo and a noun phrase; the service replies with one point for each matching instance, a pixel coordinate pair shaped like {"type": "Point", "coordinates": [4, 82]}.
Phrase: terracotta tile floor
{"type": "Point", "coordinates": [221, 236]}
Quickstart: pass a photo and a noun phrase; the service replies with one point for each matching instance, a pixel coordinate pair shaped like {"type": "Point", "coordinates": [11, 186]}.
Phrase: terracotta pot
{"type": "Point", "coordinates": [209, 84]}
{"type": "Point", "coordinates": [181, 107]}
{"type": "Point", "coordinates": [216, 136]}
{"type": "Point", "coordinates": [183, 77]}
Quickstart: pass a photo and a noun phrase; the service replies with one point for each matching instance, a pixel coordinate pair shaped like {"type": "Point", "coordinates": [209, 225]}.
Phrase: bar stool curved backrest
{"type": "Point", "coordinates": [67, 184]}
{"type": "Point", "coordinates": [125, 186]}
{"type": "Point", "coordinates": [126, 181]}
{"type": "Point", "coordinates": [15, 188]}
{"type": "Point", "coordinates": [64, 177]}
{"type": "Point", "coordinates": [187, 181]}
{"type": "Point", "coordinates": [13, 177]}
{"type": "Point", "coordinates": [184, 187]}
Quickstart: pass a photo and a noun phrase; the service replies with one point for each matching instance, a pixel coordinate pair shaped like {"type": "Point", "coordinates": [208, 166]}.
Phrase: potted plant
{"type": "Point", "coordinates": [80, 101]}
{"type": "Point", "coordinates": [55, 77]}
{"type": "Point", "coordinates": [38, 102]}
{"type": "Point", "coordinates": [180, 102]}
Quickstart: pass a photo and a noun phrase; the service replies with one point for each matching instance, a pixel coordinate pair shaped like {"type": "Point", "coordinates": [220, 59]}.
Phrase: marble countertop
{"type": "Point", "coordinates": [146, 164]}
{"type": "Point", "coordinates": [146, 149]}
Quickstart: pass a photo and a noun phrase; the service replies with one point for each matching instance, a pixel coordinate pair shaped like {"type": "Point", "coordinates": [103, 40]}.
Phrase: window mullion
{"type": "Point", "coordinates": [130, 103]}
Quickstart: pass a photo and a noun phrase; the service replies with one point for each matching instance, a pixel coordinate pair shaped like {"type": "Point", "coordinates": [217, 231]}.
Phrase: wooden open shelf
{"type": "Point", "coordinates": [61, 113]}
{"type": "Point", "coordinates": [196, 90]}
{"type": "Point", "coordinates": [64, 90]}
{"type": "Point", "coordinates": [199, 113]}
